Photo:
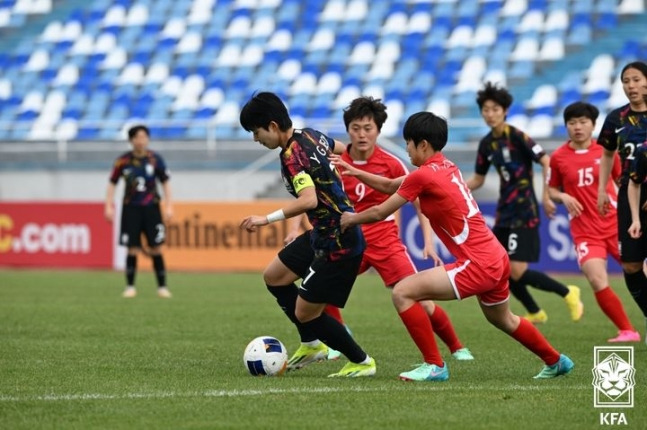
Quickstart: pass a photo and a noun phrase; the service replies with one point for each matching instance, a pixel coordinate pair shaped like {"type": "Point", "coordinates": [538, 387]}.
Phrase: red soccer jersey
{"type": "Point", "coordinates": [577, 173]}
{"type": "Point", "coordinates": [381, 163]}
{"type": "Point", "coordinates": [452, 212]}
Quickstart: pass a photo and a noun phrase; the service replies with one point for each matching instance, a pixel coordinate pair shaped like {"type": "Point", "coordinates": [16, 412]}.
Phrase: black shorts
{"type": "Point", "coordinates": [323, 281]}
{"type": "Point", "coordinates": [136, 220]}
{"type": "Point", "coordinates": [522, 244]}
{"type": "Point", "coordinates": [631, 250]}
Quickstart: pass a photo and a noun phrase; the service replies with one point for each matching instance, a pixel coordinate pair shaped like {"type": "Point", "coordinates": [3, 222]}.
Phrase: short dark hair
{"type": "Point", "coordinates": [581, 109]}
{"type": "Point", "coordinates": [132, 131]}
{"type": "Point", "coordinates": [366, 107]}
{"type": "Point", "coordinates": [638, 65]}
{"type": "Point", "coordinates": [263, 108]}
{"type": "Point", "coordinates": [498, 95]}
{"type": "Point", "coordinates": [426, 126]}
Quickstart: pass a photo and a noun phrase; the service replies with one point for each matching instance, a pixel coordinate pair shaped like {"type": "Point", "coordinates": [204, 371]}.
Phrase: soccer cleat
{"type": "Point", "coordinates": [562, 367]}
{"type": "Point", "coordinates": [538, 317]}
{"type": "Point", "coordinates": [463, 354]}
{"type": "Point", "coordinates": [426, 372]}
{"type": "Point", "coordinates": [333, 354]}
{"type": "Point", "coordinates": [354, 370]}
{"type": "Point", "coordinates": [626, 336]}
{"type": "Point", "coordinates": [306, 355]}
{"type": "Point", "coordinates": [164, 293]}
{"type": "Point", "coordinates": [575, 305]}
{"type": "Point", "coordinates": [129, 293]}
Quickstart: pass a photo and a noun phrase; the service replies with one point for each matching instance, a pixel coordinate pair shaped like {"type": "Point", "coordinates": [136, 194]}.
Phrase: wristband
{"type": "Point", "coordinates": [275, 216]}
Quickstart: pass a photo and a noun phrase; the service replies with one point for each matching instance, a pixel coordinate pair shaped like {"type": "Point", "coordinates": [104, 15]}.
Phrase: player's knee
{"type": "Point", "coordinates": [631, 268]}
{"type": "Point", "coordinates": [400, 298]}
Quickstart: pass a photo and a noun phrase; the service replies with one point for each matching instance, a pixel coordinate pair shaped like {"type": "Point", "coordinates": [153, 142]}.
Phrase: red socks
{"type": "Point", "coordinates": [443, 327]}
{"type": "Point", "coordinates": [418, 325]}
{"type": "Point", "coordinates": [612, 308]}
{"type": "Point", "coordinates": [528, 335]}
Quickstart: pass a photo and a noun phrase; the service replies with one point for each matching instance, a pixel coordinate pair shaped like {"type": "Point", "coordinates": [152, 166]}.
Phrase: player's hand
{"type": "Point", "coordinates": [603, 202]}
{"type": "Point", "coordinates": [346, 220]}
{"type": "Point", "coordinates": [109, 213]}
{"type": "Point", "coordinates": [169, 212]}
{"type": "Point", "coordinates": [430, 252]}
{"type": "Point", "coordinates": [251, 223]}
{"type": "Point", "coordinates": [635, 230]}
{"type": "Point", "coordinates": [574, 207]}
{"type": "Point", "coordinates": [344, 167]}
{"type": "Point", "coordinates": [549, 208]}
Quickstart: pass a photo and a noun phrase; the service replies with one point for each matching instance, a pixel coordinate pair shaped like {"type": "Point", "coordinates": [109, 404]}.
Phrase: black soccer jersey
{"type": "Point", "coordinates": [512, 154]}
{"type": "Point", "coordinates": [141, 175]}
{"type": "Point", "coordinates": [306, 155]}
{"type": "Point", "coordinates": [624, 131]}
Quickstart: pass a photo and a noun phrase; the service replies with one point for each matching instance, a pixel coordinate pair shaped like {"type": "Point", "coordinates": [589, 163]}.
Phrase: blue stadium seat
{"type": "Point", "coordinates": [409, 52]}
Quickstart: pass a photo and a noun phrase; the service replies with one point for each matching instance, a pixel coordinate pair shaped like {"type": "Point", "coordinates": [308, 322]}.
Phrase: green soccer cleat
{"type": "Point", "coordinates": [354, 370]}
{"type": "Point", "coordinates": [306, 355]}
{"type": "Point", "coordinates": [562, 367]}
{"type": "Point", "coordinates": [426, 372]}
{"type": "Point", "coordinates": [463, 354]}
{"type": "Point", "coordinates": [333, 354]}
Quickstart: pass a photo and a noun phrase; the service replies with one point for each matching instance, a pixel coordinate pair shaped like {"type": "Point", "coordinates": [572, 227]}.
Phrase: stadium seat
{"type": "Point", "coordinates": [552, 49]}
{"type": "Point", "coordinates": [631, 7]}
{"type": "Point", "coordinates": [540, 126]}
{"type": "Point", "coordinates": [543, 96]}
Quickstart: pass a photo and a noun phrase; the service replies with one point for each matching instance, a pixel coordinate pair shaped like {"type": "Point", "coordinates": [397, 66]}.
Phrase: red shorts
{"type": "Point", "coordinates": [589, 247]}
{"type": "Point", "coordinates": [489, 284]}
{"type": "Point", "coordinates": [389, 257]}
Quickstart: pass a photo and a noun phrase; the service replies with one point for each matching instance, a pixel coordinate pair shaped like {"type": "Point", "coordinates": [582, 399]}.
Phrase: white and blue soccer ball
{"type": "Point", "coordinates": [265, 356]}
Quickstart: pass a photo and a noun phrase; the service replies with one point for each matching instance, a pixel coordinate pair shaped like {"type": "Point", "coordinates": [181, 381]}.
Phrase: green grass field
{"type": "Point", "coordinates": [75, 355]}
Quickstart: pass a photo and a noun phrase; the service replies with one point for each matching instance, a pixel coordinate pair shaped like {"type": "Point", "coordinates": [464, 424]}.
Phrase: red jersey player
{"type": "Point", "coordinates": [385, 252]}
{"type": "Point", "coordinates": [482, 266]}
{"type": "Point", "coordinates": [573, 181]}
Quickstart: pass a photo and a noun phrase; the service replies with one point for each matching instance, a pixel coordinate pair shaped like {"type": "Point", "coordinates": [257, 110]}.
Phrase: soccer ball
{"type": "Point", "coordinates": [265, 355]}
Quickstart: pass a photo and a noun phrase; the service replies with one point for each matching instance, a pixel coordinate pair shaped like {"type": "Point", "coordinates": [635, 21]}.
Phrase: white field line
{"type": "Point", "coordinates": [274, 391]}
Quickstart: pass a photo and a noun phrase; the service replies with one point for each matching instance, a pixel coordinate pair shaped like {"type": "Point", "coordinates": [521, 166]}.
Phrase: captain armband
{"type": "Point", "coordinates": [300, 181]}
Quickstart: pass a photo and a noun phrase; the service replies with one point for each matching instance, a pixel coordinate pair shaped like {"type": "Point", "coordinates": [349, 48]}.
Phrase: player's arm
{"type": "Point", "coordinates": [549, 206]}
{"type": "Point", "coordinates": [379, 183]}
{"type": "Point", "coordinates": [339, 147]}
{"type": "Point", "coordinates": [573, 206]}
{"type": "Point", "coordinates": [168, 201]}
{"type": "Point", "coordinates": [374, 213]}
{"type": "Point", "coordinates": [633, 195]}
{"type": "Point", "coordinates": [427, 235]}
{"type": "Point", "coordinates": [109, 211]}
{"type": "Point", "coordinates": [306, 200]}
{"type": "Point", "coordinates": [475, 182]}
{"type": "Point", "coordinates": [606, 161]}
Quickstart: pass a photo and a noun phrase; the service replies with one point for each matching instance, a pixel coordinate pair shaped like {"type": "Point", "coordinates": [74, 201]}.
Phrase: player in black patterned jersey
{"type": "Point", "coordinates": [326, 259]}
{"type": "Point", "coordinates": [141, 170]}
{"type": "Point", "coordinates": [625, 131]}
{"type": "Point", "coordinates": [512, 153]}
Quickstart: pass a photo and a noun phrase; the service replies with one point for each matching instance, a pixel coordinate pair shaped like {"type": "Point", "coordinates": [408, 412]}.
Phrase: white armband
{"type": "Point", "coordinates": [275, 216]}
